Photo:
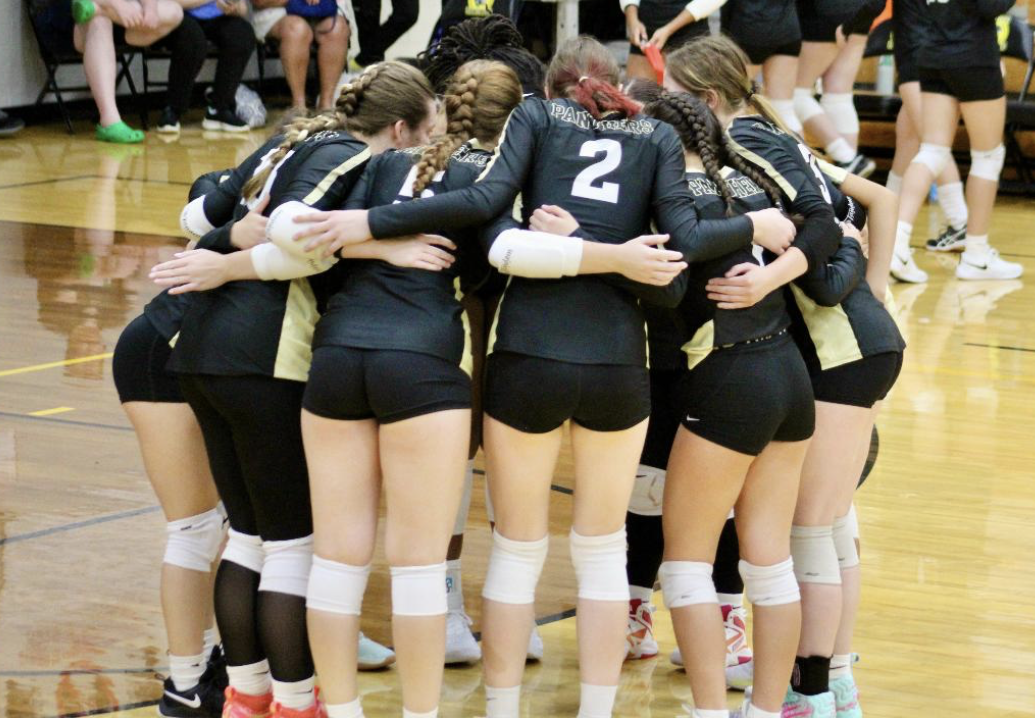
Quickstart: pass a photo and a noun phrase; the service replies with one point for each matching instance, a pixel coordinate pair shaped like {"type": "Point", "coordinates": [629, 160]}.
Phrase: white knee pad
{"type": "Point", "coordinates": [286, 567]}
{"type": "Point", "coordinates": [987, 164]}
{"type": "Point", "coordinates": [934, 157]}
{"type": "Point", "coordinates": [815, 558]}
{"type": "Point", "coordinates": [193, 220]}
{"type": "Point", "coordinates": [599, 563]}
{"type": "Point", "coordinates": [244, 550]}
{"type": "Point", "coordinates": [514, 568]}
{"type": "Point", "coordinates": [419, 590]}
{"type": "Point", "coordinates": [465, 501]}
{"type": "Point", "coordinates": [805, 105]}
{"type": "Point", "coordinates": [687, 583]}
{"type": "Point", "coordinates": [840, 108]}
{"type": "Point", "coordinates": [787, 113]}
{"type": "Point", "coordinates": [647, 491]}
{"type": "Point", "coordinates": [336, 587]}
{"type": "Point", "coordinates": [194, 542]}
{"type": "Point", "coordinates": [853, 521]}
{"type": "Point", "coordinates": [770, 585]}
{"type": "Point", "coordinates": [844, 543]}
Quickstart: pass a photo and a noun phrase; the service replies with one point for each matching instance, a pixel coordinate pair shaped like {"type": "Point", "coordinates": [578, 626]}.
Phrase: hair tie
{"type": "Point", "coordinates": [583, 78]}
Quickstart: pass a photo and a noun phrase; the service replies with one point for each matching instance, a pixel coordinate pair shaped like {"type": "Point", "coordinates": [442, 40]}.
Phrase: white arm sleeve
{"type": "Point", "coordinates": [701, 9]}
{"type": "Point", "coordinates": [537, 255]}
{"type": "Point", "coordinates": [272, 262]}
{"type": "Point", "coordinates": [626, 3]}
{"type": "Point", "coordinates": [193, 221]}
{"type": "Point", "coordinates": [281, 229]}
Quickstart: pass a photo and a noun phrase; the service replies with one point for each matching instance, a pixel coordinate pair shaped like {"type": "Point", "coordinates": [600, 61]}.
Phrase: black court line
{"type": "Point", "coordinates": [81, 672]}
{"type": "Point", "coordinates": [53, 420]}
{"type": "Point", "coordinates": [47, 181]}
{"type": "Point", "coordinates": [109, 709]}
{"type": "Point", "coordinates": [78, 525]}
{"type": "Point", "coordinates": [999, 346]}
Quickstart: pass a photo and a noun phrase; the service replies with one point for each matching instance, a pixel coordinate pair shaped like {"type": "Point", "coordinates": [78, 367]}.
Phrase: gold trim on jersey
{"type": "Point", "coordinates": [467, 360]}
{"type": "Point", "coordinates": [295, 348]}
{"type": "Point", "coordinates": [700, 345]}
{"type": "Point", "coordinates": [499, 146]}
{"type": "Point", "coordinates": [830, 330]}
{"type": "Point", "coordinates": [490, 345]}
{"type": "Point", "coordinates": [836, 174]}
{"type": "Point", "coordinates": [327, 182]}
{"type": "Point", "coordinates": [765, 165]}
{"type": "Point", "coordinates": [172, 341]}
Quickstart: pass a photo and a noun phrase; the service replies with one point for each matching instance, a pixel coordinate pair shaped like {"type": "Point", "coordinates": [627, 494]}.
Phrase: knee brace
{"type": "Point", "coordinates": [787, 113]}
{"type": "Point", "coordinates": [194, 542]}
{"type": "Point", "coordinates": [599, 563]}
{"type": "Point", "coordinates": [687, 583]}
{"type": "Point", "coordinates": [286, 567]}
{"type": "Point", "coordinates": [465, 501]}
{"type": "Point", "coordinates": [647, 491]}
{"type": "Point", "coordinates": [193, 220]}
{"type": "Point", "coordinates": [336, 587]}
{"type": "Point", "coordinates": [853, 521]}
{"type": "Point", "coordinates": [770, 585]}
{"type": "Point", "coordinates": [840, 108]}
{"type": "Point", "coordinates": [844, 543]}
{"type": "Point", "coordinates": [805, 105]}
{"type": "Point", "coordinates": [815, 558]}
{"type": "Point", "coordinates": [934, 157]}
{"type": "Point", "coordinates": [514, 568]}
{"type": "Point", "coordinates": [244, 550]}
{"type": "Point", "coordinates": [419, 590]}
{"type": "Point", "coordinates": [987, 164]}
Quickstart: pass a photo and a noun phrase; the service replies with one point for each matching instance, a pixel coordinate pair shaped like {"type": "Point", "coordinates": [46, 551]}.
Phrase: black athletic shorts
{"type": "Point", "coordinates": [817, 25]}
{"type": "Point", "coordinates": [745, 396]}
{"type": "Point", "coordinates": [654, 17]}
{"type": "Point", "coordinates": [860, 383]}
{"type": "Point", "coordinates": [350, 384]}
{"type": "Point", "coordinates": [537, 395]}
{"type": "Point", "coordinates": [906, 68]}
{"type": "Point", "coordinates": [758, 54]}
{"type": "Point", "coordinates": [665, 414]}
{"type": "Point", "coordinates": [138, 366]}
{"type": "Point", "coordinates": [966, 84]}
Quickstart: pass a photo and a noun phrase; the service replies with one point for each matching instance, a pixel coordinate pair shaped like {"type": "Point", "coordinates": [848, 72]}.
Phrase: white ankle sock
{"type": "Point", "coordinates": [411, 714]}
{"type": "Point", "coordinates": [641, 593]}
{"type": "Point", "coordinates": [840, 665]}
{"type": "Point", "coordinates": [252, 680]}
{"type": "Point", "coordinates": [977, 245]}
{"type": "Point", "coordinates": [754, 711]}
{"type": "Point", "coordinates": [210, 642]}
{"type": "Point", "coordinates": [454, 586]}
{"type": "Point", "coordinates": [502, 702]}
{"type": "Point", "coordinates": [953, 203]}
{"type": "Point", "coordinates": [903, 234]}
{"type": "Point", "coordinates": [840, 150]}
{"type": "Point", "coordinates": [297, 695]}
{"type": "Point", "coordinates": [352, 709]}
{"type": "Point", "coordinates": [894, 182]}
{"type": "Point", "coordinates": [596, 701]}
{"type": "Point", "coordinates": [730, 599]}
{"type": "Point", "coordinates": [186, 671]}
{"type": "Point", "coordinates": [702, 713]}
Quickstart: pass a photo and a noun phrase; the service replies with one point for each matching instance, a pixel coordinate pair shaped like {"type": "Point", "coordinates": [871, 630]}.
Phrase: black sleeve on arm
{"type": "Point", "coordinates": [827, 284]}
{"type": "Point", "coordinates": [218, 240]}
{"type": "Point", "coordinates": [863, 19]}
{"type": "Point", "coordinates": [325, 178]}
{"type": "Point", "coordinates": [994, 8]}
{"type": "Point", "coordinates": [482, 202]}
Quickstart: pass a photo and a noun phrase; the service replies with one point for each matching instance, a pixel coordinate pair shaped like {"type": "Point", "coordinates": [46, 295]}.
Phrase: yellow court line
{"type": "Point", "coordinates": [967, 373]}
{"type": "Point", "coordinates": [50, 412]}
{"type": "Point", "coordinates": [51, 365]}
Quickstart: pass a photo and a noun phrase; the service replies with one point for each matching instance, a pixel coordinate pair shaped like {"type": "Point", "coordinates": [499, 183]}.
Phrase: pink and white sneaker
{"type": "Point", "coordinates": [640, 632]}
{"type": "Point", "coordinates": [739, 659]}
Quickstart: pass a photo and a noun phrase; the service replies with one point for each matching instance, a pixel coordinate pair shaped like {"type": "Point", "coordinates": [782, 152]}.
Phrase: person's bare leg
{"type": "Point", "coordinates": [984, 123]}
{"type": "Point", "coordinates": [813, 61]}
{"type": "Point", "coordinates": [95, 41]}
{"type": "Point", "coordinates": [779, 73]}
{"type": "Point", "coordinates": [839, 79]}
{"type": "Point", "coordinates": [940, 117]}
{"type": "Point", "coordinates": [295, 38]}
{"type": "Point", "coordinates": [170, 15]}
{"type": "Point", "coordinates": [332, 37]}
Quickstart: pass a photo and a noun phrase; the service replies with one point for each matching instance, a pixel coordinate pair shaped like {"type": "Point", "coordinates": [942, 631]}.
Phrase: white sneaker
{"type": "Point", "coordinates": [535, 645]}
{"type": "Point", "coordinates": [739, 659]}
{"type": "Point", "coordinates": [373, 656]}
{"type": "Point", "coordinates": [904, 269]}
{"type": "Point", "coordinates": [986, 265]}
{"type": "Point", "coordinates": [460, 644]}
{"type": "Point", "coordinates": [639, 635]}
{"type": "Point", "coordinates": [676, 657]}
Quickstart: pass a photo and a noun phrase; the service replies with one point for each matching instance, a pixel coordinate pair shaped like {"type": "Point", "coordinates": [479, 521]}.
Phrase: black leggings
{"type": "Point", "coordinates": [235, 39]}
{"type": "Point", "coordinates": [375, 38]}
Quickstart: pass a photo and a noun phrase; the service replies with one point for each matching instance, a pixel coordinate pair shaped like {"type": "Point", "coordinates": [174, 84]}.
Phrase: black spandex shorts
{"type": "Point", "coordinates": [906, 69]}
{"type": "Point", "coordinates": [758, 54]}
{"type": "Point", "coordinates": [537, 395]}
{"type": "Point", "coordinates": [966, 84]}
{"type": "Point", "coordinates": [138, 366]}
{"type": "Point", "coordinates": [654, 17]}
{"type": "Point", "coordinates": [747, 395]}
{"type": "Point", "coordinates": [860, 383]}
{"type": "Point", "coordinates": [350, 384]}
{"type": "Point", "coordinates": [665, 413]}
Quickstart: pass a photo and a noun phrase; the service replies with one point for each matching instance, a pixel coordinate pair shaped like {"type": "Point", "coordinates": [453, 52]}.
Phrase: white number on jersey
{"type": "Point", "coordinates": [583, 186]}
{"type": "Point", "coordinates": [811, 159]}
{"type": "Point", "coordinates": [411, 177]}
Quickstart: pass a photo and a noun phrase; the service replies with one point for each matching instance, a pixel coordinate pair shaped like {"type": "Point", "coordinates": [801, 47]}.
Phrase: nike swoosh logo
{"type": "Point", "coordinates": [690, 418]}
{"type": "Point", "coordinates": [196, 703]}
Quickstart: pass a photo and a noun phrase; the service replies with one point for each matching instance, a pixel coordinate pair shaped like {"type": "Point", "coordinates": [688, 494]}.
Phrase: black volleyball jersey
{"type": "Point", "coordinates": [839, 11]}
{"type": "Point", "coordinates": [961, 33]}
{"type": "Point", "coordinates": [761, 23]}
{"type": "Point", "coordinates": [614, 176]}
{"type": "Point", "coordinates": [908, 26]}
{"type": "Point", "coordinates": [266, 328]}
{"type": "Point", "coordinates": [865, 14]}
{"type": "Point", "coordinates": [381, 306]}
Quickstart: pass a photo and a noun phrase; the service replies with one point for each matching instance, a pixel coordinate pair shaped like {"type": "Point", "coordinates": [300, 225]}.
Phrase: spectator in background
{"type": "Point", "coordinates": [222, 23]}
{"type": "Point", "coordinates": [375, 38]}
{"type": "Point", "coordinates": [284, 21]}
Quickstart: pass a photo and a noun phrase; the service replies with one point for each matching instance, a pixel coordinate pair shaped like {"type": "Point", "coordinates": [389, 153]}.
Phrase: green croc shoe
{"type": "Point", "coordinates": [119, 133]}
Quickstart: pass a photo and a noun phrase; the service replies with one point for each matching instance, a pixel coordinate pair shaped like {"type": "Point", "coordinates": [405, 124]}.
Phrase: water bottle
{"type": "Point", "coordinates": [886, 75]}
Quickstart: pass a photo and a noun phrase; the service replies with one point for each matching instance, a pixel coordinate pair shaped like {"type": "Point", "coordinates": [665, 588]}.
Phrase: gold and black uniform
{"type": "Point", "coordinates": [763, 28]}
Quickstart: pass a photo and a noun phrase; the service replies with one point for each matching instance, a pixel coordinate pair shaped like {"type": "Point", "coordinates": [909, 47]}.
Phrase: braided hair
{"type": "Point", "coordinates": [493, 37]}
{"type": "Point", "coordinates": [384, 94]}
{"type": "Point", "coordinates": [478, 102]}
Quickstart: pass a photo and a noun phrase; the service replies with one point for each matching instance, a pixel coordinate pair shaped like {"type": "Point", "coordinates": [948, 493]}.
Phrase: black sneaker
{"type": "Point", "coordinates": [204, 700]}
{"type": "Point", "coordinates": [169, 122]}
{"type": "Point", "coordinates": [860, 165]}
{"type": "Point", "coordinates": [223, 121]}
{"type": "Point", "coordinates": [215, 671]}
{"type": "Point", "coordinates": [951, 240]}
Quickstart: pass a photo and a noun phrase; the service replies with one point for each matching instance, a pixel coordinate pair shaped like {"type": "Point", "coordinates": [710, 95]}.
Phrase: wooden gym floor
{"type": "Point", "coordinates": [948, 619]}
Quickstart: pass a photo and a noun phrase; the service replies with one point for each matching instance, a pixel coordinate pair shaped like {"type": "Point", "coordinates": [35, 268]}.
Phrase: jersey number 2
{"type": "Point", "coordinates": [583, 185]}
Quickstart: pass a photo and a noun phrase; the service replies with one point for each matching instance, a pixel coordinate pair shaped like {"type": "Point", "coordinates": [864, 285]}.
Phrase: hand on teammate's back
{"type": "Point", "coordinates": [333, 230]}
{"type": "Point", "coordinates": [250, 230]}
{"type": "Point", "coordinates": [773, 230]}
{"type": "Point", "coordinates": [645, 260]}
{"type": "Point", "coordinates": [553, 220]}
